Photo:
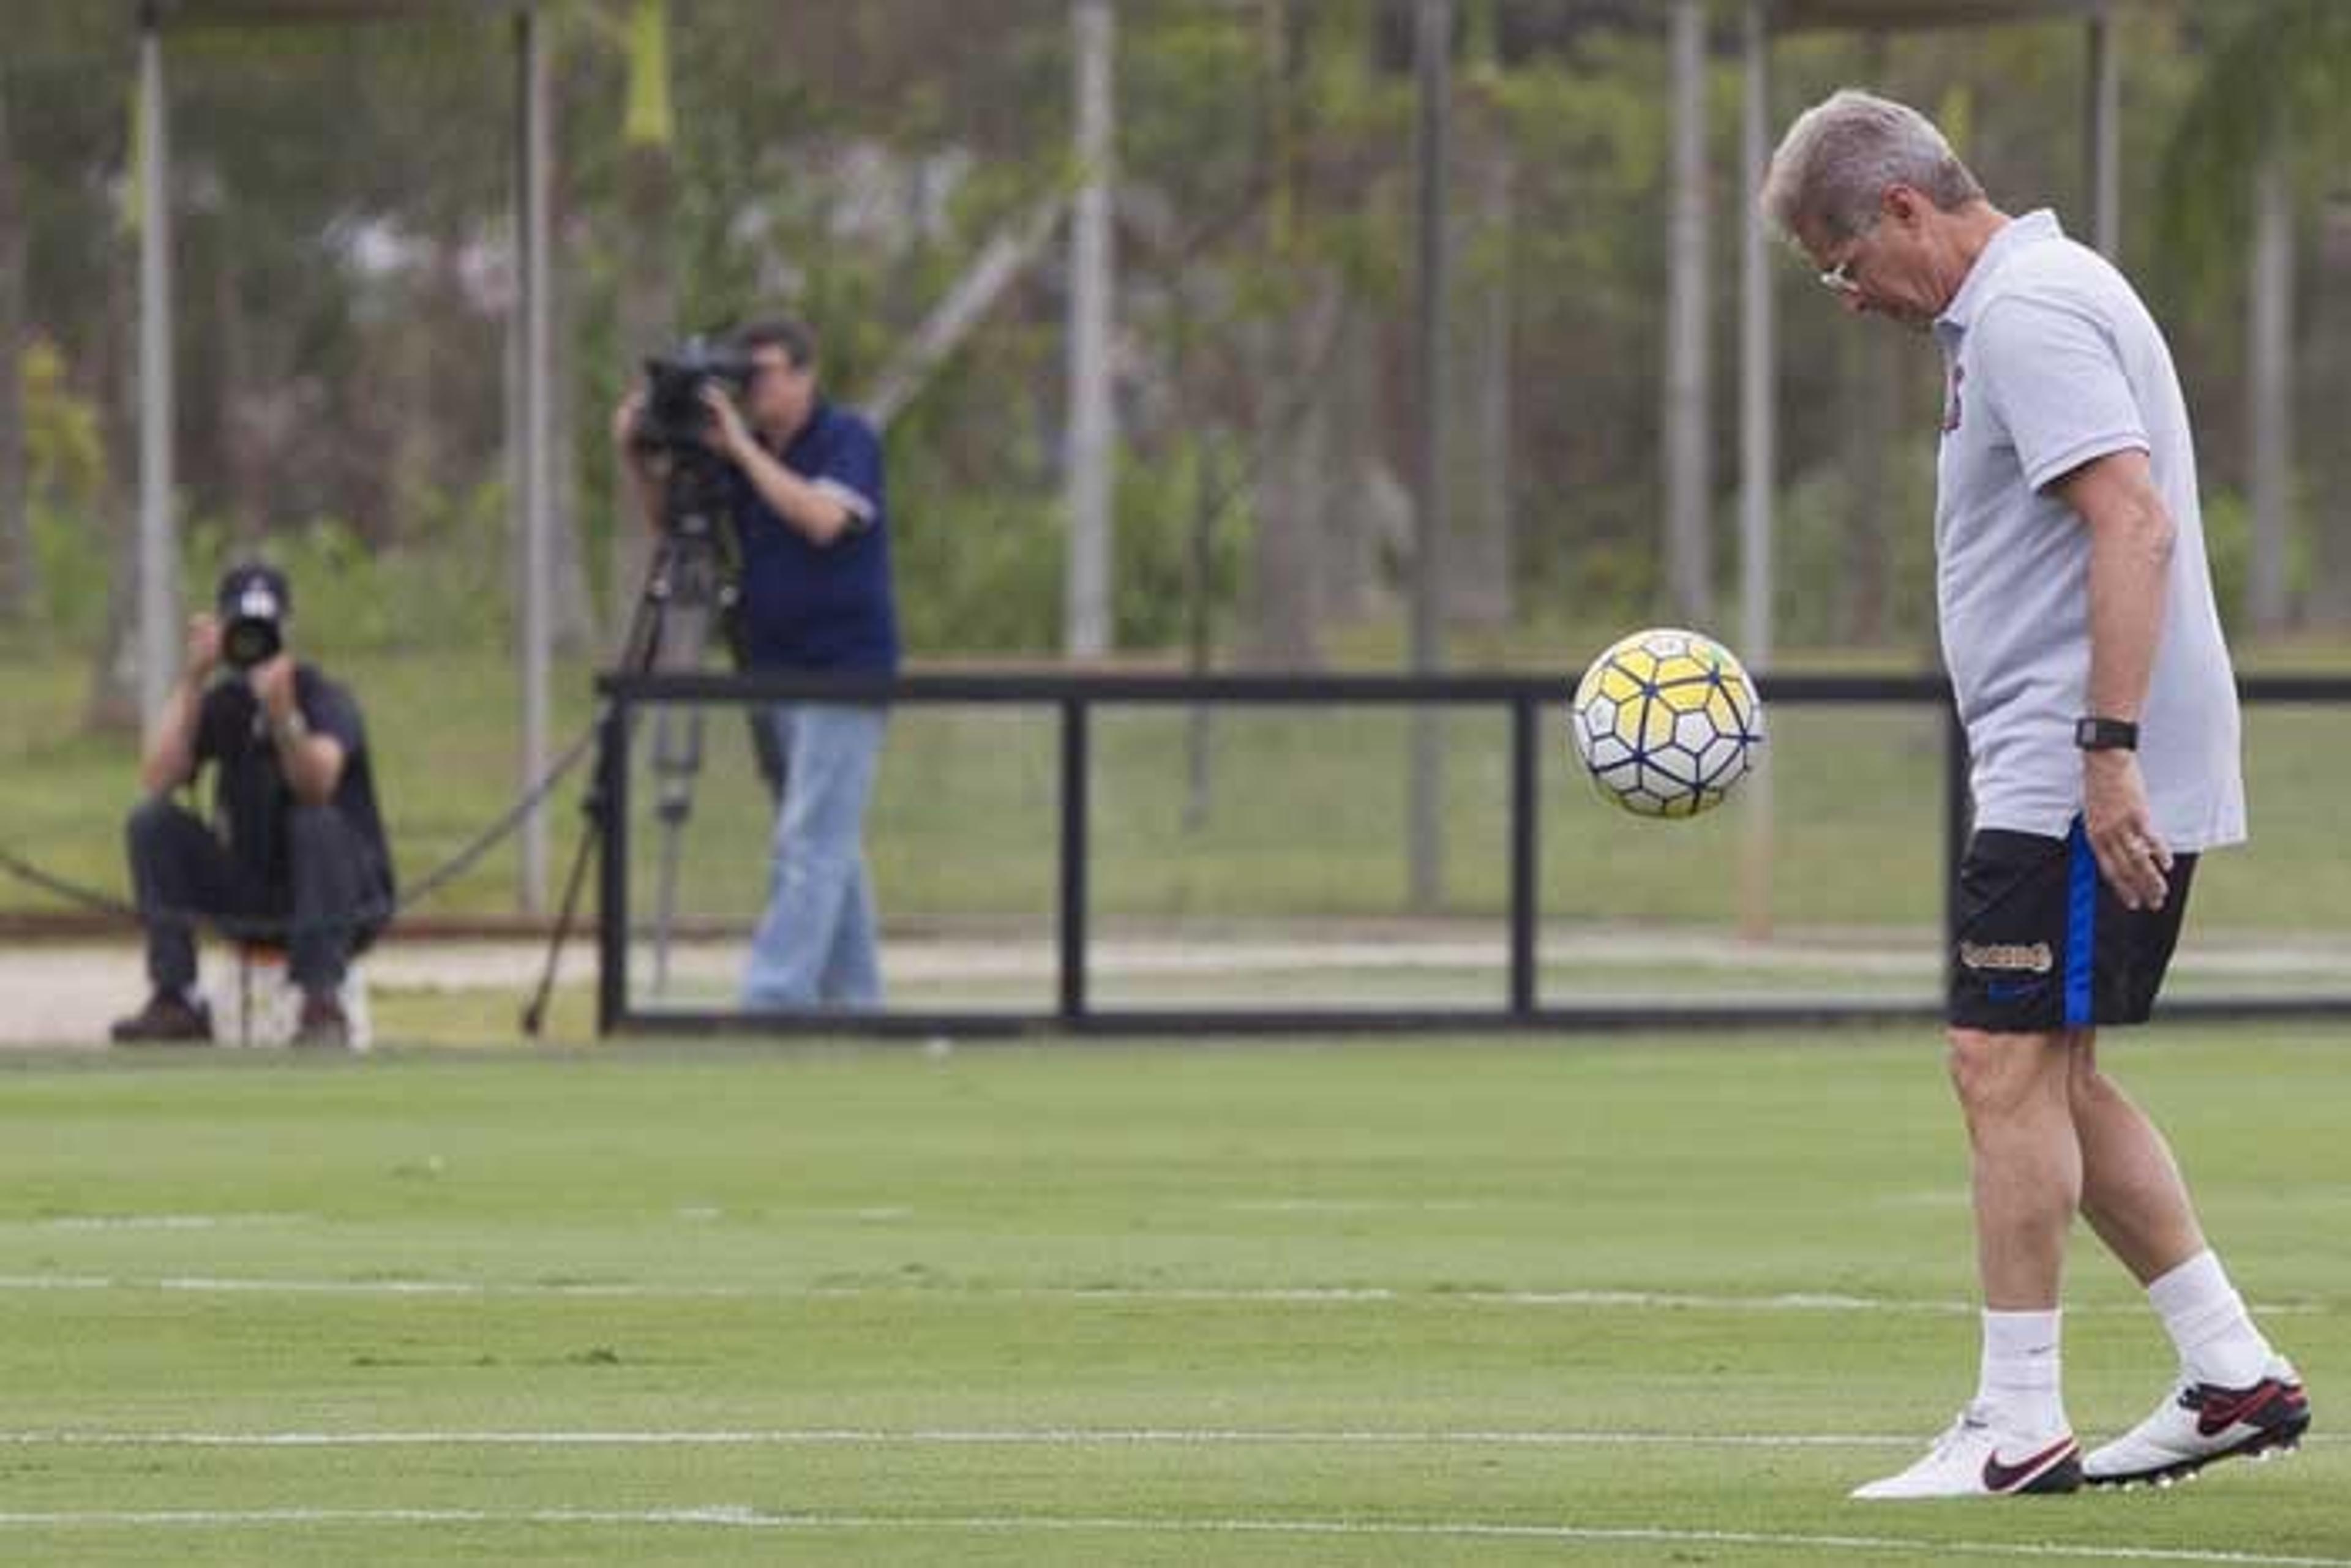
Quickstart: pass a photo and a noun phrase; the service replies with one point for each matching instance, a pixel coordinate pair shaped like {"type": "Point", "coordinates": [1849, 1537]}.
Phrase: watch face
{"type": "Point", "coordinates": [2106, 734]}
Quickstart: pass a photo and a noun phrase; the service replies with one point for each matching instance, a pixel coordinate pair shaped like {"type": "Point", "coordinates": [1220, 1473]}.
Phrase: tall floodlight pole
{"type": "Point", "coordinates": [1432, 61]}
{"type": "Point", "coordinates": [1758, 453]}
{"type": "Point", "coordinates": [2103, 138]}
{"type": "Point", "coordinates": [157, 546]}
{"type": "Point", "coordinates": [533, 470]}
{"type": "Point", "coordinates": [1689, 427]}
{"type": "Point", "coordinates": [1087, 623]}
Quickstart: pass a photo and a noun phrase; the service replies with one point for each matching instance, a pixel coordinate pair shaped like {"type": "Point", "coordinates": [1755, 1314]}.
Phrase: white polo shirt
{"type": "Point", "coordinates": [2050, 360]}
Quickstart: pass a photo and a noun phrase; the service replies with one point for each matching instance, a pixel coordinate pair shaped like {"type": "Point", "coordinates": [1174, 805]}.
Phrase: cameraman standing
{"type": "Point", "coordinates": [299, 855]}
{"type": "Point", "coordinates": [805, 496]}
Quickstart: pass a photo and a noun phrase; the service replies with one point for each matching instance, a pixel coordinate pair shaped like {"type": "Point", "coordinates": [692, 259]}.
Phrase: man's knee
{"type": "Point", "coordinates": [155, 819]}
{"type": "Point", "coordinates": [158, 835]}
{"type": "Point", "coordinates": [1999, 1075]}
{"type": "Point", "coordinates": [315, 830]}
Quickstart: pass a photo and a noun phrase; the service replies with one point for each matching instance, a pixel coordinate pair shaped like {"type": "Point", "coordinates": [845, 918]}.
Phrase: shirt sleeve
{"type": "Point", "coordinates": [2049, 374]}
{"type": "Point", "coordinates": [329, 710]}
{"type": "Point", "coordinates": [851, 473]}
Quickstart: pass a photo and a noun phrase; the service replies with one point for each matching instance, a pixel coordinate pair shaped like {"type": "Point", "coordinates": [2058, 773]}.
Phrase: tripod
{"type": "Point", "coordinates": [692, 580]}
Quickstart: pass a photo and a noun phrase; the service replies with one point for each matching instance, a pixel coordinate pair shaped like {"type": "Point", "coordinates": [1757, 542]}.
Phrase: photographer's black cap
{"type": "Point", "coordinates": [254, 578]}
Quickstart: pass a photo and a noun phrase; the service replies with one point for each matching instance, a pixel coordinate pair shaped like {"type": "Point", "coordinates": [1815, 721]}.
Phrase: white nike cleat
{"type": "Point", "coordinates": [1976, 1458]}
{"type": "Point", "coordinates": [2201, 1422]}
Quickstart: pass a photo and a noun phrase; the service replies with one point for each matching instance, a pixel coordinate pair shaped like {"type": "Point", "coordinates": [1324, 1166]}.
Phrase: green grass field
{"type": "Point", "coordinates": [1614, 1301]}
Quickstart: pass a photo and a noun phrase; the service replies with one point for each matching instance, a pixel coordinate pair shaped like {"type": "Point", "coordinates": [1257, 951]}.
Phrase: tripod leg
{"type": "Point", "coordinates": [535, 1014]}
{"type": "Point", "coordinates": [677, 757]}
{"type": "Point", "coordinates": [637, 650]}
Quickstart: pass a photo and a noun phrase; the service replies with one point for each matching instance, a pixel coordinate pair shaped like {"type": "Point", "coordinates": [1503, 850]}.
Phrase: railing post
{"type": "Point", "coordinates": [1075, 851]}
{"type": "Point", "coordinates": [1525, 843]}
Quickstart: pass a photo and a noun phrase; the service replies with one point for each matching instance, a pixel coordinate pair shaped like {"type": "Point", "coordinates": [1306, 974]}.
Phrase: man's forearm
{"type": "Point", "coordinates": [2130, 571]}
{"type": "Point", "coordinates": [171, 754]}
{"type": "Point", "coordinates": [312, 764]}
{"type": "Point", "coordinates": [810, 512]}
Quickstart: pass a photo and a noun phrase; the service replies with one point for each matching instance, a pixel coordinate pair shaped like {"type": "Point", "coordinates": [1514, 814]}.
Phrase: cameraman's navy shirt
{"type": "Point", "coordinates": [253, 804]}
{"type": "Point", "coordinates": [821, 607]}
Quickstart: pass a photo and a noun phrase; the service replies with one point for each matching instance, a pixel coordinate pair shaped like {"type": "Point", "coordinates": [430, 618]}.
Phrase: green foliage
{"type": "Point", "coordinates": [1812, 529]}
{"type": "Point", "coordinates": [2275, 79]}
{"type": "Point", "coordinates": [65, 465]}
{"type": "Point", "coordinates": [350, 599]}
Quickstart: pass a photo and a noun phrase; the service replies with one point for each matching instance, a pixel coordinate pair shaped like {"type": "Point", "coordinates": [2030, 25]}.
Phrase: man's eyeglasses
{"type": "Point", "coordinates": [1839, 279]}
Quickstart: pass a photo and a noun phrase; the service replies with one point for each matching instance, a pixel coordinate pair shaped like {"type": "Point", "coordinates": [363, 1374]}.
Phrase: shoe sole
{"type": "Point", "coordinates": [2269, 1443]}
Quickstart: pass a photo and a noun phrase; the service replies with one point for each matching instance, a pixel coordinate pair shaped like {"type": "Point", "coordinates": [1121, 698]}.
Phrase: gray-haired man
{"type": "Point", "coordinates": [2086, 653]}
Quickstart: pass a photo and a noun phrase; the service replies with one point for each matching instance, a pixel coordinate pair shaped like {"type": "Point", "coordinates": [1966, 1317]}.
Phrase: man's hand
{"type": "Point", "coordinates": [727, 435]}
{"type": "Point", "coordinates": [2116, 820]}
{"type": "Point", "coordinates": [273, 686]}
{"type": "Point", "coordinates": [204, 647]}
{"type": "Point", "coordinates": [625, 416]}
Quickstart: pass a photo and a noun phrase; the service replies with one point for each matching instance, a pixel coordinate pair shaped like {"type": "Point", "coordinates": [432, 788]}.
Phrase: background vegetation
{"type": "Point", "coordinates": [340, 199]}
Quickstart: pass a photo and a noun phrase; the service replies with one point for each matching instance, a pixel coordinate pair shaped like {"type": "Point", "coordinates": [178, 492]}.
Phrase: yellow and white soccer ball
{"type": "Point", "coordinates": [1668, 723]}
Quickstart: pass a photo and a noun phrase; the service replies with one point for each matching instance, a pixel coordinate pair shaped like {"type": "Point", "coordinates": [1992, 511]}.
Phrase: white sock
{"type": "Point", "coordinates": [2019, 1385]}
{"type": "Point", "coordinates": [2209, 1325]}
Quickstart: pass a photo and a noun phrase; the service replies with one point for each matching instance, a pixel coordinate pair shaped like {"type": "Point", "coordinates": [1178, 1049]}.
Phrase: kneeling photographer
{"type": "Point", "coordinates": [801, 490]}
{"type": "Point", "coordinates": [296, 854]}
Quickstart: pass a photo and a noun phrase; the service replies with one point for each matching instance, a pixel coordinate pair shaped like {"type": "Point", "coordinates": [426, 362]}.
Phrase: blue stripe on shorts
{"type": "Point", "coordinates": [2081, 925]}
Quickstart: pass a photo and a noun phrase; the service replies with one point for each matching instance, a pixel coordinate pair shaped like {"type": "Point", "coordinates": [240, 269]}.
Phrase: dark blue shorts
{"type": "Point", "coordinates": [2043, 943]}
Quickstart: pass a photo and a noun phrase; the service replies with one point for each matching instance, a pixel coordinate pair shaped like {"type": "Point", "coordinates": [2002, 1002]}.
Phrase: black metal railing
{"type": "Point", "coordinates": [1075, 696]}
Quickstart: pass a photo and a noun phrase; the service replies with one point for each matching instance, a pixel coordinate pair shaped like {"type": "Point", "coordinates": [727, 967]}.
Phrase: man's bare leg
{"type": "Point", "coordinates": [2132, 1191]}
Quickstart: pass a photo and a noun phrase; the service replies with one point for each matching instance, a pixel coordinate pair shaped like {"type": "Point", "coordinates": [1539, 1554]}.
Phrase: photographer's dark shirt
{"type": "Point", "coordinates": [251, 799]}
{"type": "Point", "coordinates": [807, 606]}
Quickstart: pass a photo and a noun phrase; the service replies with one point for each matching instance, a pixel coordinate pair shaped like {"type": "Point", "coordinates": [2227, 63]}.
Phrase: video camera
{"type": "Point", "coordinates": [253, 602]}
{"type": "Point", "coordinates": [675, 418]}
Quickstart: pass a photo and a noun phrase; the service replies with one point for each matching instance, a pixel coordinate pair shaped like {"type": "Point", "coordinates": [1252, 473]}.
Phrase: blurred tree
{"type": "Point", "coordinates": [19, 584]}
{"type": "Point", "coordinates": [647, 305]}
{"type": "Point", "coordinates": [2267, 126]}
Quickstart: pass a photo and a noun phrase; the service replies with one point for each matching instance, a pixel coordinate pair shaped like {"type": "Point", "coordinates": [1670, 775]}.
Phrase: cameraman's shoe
{"type": "Point", "coordinates": [166, 1019]}
{"type": "Point", "coordinates": [322, 1025]}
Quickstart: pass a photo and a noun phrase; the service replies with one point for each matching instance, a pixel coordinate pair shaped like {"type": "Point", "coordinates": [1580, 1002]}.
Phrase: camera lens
{"type": "Point", "coordinates": [249, 641]}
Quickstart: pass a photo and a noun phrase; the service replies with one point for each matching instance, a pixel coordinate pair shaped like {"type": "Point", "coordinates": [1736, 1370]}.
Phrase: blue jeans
{"type": "Point", "coordinates": [816, 945]}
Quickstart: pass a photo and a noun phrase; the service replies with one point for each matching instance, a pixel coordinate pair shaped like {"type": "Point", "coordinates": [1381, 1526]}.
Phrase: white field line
{"type": "Point", "coordinates": [979, 1437]}
{"type": "Point", "coordinates": [1039, 1436]}
{"type": "Point", "coordinates": [1604, 1299]}
{"type": "Point", "coordinates": [728, 1517]}
{"type": "Point", "coordinates": [153, 1222]}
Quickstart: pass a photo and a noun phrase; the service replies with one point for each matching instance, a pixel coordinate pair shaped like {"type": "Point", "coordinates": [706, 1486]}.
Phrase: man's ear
{"type": "Point", "coordinates": [1902, 205]}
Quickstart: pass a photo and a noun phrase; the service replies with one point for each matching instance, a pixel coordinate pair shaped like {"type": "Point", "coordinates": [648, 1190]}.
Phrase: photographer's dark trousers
{"type": "Point", "coordinates": [181, 870]}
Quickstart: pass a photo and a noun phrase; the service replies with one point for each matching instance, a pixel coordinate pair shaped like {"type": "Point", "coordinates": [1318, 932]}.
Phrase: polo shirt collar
{"type": "Point", "coordinates": [2033, 228]}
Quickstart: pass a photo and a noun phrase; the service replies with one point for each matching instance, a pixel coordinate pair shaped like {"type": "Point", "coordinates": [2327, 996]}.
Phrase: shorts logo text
{"type": "Point", "coordinates": [2016, 957]}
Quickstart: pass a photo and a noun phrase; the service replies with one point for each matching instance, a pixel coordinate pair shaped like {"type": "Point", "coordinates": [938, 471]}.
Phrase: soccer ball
{"type": "Point", "coordinates": [1668, 723]}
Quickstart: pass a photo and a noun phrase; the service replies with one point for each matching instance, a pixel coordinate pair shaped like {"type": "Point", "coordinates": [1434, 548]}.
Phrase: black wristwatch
{"type": "Point", "coordinates": [2095, 734]}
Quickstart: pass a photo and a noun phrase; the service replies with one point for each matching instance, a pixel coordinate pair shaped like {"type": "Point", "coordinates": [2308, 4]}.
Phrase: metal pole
{"type": "Point", "coordinates": [1091, 416]}
{"type": "Point", "coordinates": [1758, 434]}
{"type": "Point", "coordinates": [2269, 370]}
{"type": "Point", "coordinates": [1526, 852]}
{"type": "Point", "coordinates": [1076, 829]}
{"type": "Point", "coordinates": [2102, 136]}
{"type": "Point", "coordinates": [159, 588]}
{"type": "Point", "coordinates": [1432, 56]}
{"type": "Point", "coordinates": [537, 555]}
{"type": "Point", "coordinates": [1688, 434]}
{"type": "Point", "coordinates": [1758, 454]}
